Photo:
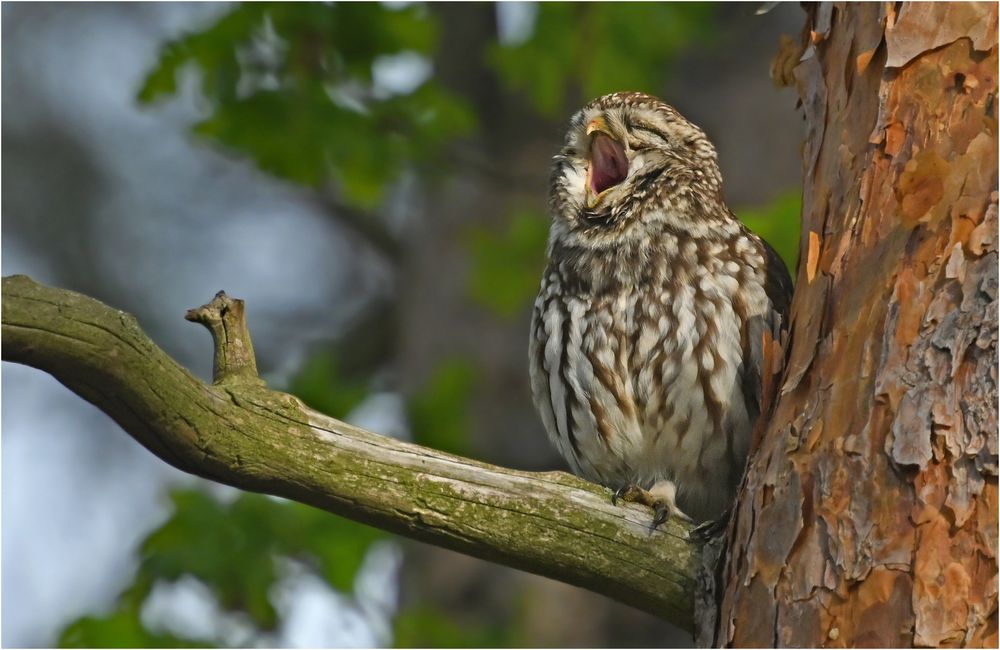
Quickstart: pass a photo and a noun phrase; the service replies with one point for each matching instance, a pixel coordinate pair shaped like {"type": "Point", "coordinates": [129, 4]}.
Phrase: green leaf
{"type": "Point", "coordinates": [120, 629]}
{"type": "Point", "coordinates": [275, 78]}
{"type": "Point", "coordinates": [324, 386]}
{"type": "Point", "coordinates": [221, 546]}
{"type": "Point", "coordinates": [233, 548]}
{"type": "Point", "coordinates": [440, 412]}
{"type": "Point", "coordinates": [779, 223]}
{"type": "Point", "coordinates": [506, 266]}
{"type": "Point", "coordinates": [598, 48]}
{"type": "Point", "coordinates": [213, 50]}
{"type": "Point", "coordinates": [424, 627]}
{"type": "Point", "coordinates": [162, 80]}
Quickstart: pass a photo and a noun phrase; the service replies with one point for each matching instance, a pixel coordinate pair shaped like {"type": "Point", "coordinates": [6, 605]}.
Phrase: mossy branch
{"type": "Point", "coordinates": [240, 433]}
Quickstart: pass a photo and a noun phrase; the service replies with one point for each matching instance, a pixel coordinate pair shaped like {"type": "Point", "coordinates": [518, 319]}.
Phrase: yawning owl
{"type": "Point", "coordinates": [646, 339]}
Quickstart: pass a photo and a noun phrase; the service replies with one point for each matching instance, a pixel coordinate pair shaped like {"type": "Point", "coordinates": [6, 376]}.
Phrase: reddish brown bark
{"type": "Point", "coordinates": [869, 512]}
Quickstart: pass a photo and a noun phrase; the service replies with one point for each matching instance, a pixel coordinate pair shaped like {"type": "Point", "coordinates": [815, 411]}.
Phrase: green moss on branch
{"type": "Point", "coordinates": [242, 434]}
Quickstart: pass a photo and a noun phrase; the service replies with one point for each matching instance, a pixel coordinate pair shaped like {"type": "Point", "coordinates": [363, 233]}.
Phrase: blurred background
{"type": "Point", "coordinates": [371, 179]}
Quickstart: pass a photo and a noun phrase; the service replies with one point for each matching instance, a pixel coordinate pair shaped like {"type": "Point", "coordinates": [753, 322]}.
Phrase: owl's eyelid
{"type": "Point", "coordinates": [656, 133]}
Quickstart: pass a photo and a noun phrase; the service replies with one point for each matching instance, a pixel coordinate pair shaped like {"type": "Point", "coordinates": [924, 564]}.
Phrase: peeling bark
{"type": "Point", "coordinates": [868, 516]}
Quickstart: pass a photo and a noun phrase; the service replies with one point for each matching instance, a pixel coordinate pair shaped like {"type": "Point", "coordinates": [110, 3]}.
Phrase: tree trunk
{"type": "Point", "coordinates": [868, 516]}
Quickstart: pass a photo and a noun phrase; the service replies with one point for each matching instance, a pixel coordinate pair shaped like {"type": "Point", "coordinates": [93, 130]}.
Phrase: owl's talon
{"type": "Point", "coordinates": [661, 512]}
{"type": "Point", "coordinates": [631, 493]}
{"type": "Point", "coordinates": [663, 506]}
{"type": "Point", "coordinates": [706, 531]}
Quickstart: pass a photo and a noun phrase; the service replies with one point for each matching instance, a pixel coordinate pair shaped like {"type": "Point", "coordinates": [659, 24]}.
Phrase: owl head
{"type": "Point", "coordinates": [631, 162]}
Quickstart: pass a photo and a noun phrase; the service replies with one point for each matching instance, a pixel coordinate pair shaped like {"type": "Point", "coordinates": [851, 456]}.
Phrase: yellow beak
{"type": "Point", "coordinates": [598, 124]}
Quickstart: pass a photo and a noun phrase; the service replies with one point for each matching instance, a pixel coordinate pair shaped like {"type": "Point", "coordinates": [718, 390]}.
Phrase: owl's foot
{"type": "Point", "coordinates": [632, 493]}
{"type": "Point", "coordinates": [705, 531]}
{"type": "Point", "coordinates": [660, 498]}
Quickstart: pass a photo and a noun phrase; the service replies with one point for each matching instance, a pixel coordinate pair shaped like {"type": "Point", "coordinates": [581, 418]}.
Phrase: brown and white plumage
{"type": "Point", "coordinates": [645, 349]}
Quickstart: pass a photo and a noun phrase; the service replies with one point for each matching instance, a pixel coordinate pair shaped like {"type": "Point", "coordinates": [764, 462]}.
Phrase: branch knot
{"type": "Point", "coordinates": [234, 360]}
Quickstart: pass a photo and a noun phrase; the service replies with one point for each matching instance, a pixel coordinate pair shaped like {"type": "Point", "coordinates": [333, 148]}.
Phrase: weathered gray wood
{"type": "Point", "coordinates": [240, 433]}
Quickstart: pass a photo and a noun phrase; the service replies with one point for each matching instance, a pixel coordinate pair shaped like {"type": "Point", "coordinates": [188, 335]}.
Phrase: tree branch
{"type": "Point", "coordinates": [240, 433]}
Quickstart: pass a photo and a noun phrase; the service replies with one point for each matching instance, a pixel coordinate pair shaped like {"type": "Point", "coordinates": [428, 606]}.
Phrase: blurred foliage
{"type": "Point", "coordinates": [239, 543]}
{"type": "Point", "coordinates": [120, 629]}
{"type": "Point", "coordinates": [594, 48]}
{"type": "Point", "coordinates": [236, 550]}
{"type": "Point", "coordinates": [423, 627]}
{"type": "Point", "coordinates": [778, 222]}
{"type": "Point", "coordinates": [292, 86]}
{"type": "Point", "coordinates": [439, 412]}
{"type": "Point", "coordinates": [507, 265]}
{"type": "Point", "coordinates": [325, 386]}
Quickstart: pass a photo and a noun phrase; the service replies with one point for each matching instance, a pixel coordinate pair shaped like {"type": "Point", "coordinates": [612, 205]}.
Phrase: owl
{"type": "Point", "coordinates": [646, 346]}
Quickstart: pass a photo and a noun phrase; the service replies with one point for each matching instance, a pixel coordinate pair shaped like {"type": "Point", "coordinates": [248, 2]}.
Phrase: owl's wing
{"type": "Point", "coordinates": [772, 323]}
{"type": "Point", "coordinates": [777, 283]}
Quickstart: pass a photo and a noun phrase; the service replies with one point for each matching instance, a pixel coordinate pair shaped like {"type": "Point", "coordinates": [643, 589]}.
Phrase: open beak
{"type": "Point", "coordinates": [608, 162]}
{"type": "Point", "coordinates": [598, 124]}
